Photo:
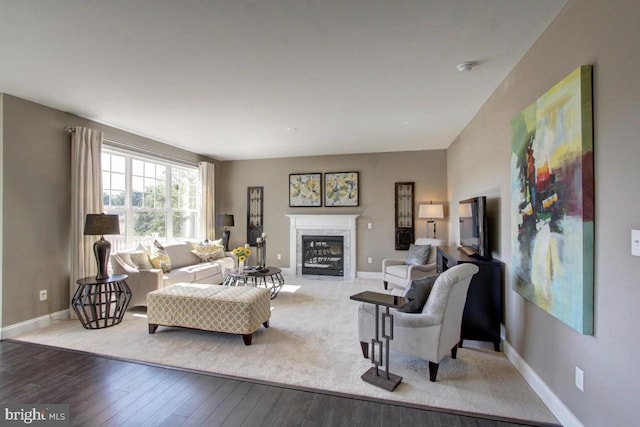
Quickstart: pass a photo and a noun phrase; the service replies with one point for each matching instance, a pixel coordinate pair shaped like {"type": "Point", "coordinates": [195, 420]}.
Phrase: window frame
{"type": "Point", "coordinates": [127, 238]}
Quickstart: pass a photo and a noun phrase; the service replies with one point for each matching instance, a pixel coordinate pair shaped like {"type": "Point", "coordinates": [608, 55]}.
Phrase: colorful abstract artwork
{"type": "Point", "coordinates": [552, 201]}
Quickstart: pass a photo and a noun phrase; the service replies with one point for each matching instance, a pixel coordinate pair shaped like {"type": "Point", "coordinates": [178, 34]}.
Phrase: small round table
{"type": "Point", "coordinates": [100, 303]}
{"type": "Point", "coordinates": [269, 277]}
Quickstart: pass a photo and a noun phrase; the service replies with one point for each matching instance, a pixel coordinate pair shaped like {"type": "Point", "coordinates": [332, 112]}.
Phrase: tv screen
{"type": "Point", "coordinates": [473, 227]}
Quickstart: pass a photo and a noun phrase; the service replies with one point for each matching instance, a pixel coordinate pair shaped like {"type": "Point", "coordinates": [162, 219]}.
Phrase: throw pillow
{"type": "Point", "coordinates": [140, 258]}
{"type": "Point", "coordinates": [418, 254]}
{"type": "Point", "coordinates": [418, 293]}
{"type": "Point", "coordinates": [159, 258]}
{"type": "Point", "coordinates": [208, 252]}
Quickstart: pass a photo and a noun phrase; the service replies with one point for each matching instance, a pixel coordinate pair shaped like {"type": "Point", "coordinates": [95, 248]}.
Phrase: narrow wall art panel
{"type": "Point", "coordinates": [552, 206]}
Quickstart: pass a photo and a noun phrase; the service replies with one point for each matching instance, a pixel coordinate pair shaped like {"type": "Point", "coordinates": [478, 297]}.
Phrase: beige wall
{"type": "Point", "coordinates": [36, 163]}
{"type": "Point", "coordinates": [607, 35]}
{"type": "Point", "coordinates": [378, 173]}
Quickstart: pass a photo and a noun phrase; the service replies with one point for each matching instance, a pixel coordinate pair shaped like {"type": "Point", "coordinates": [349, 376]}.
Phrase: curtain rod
{"type": "Point", "coordinates": [116, 144]}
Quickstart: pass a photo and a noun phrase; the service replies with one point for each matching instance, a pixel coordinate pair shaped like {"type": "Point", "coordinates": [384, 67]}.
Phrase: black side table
{"type": "Point", "coordinates": [101, 303]}
{"type": "Point", "coordinates": [383, 379]}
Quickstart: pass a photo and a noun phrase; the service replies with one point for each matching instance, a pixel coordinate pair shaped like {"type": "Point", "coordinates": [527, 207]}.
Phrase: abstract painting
{"type": "Point", "coordinates": [305, 189]}
{"type": "Point", "coordinates": [341, 189]}
{"type": "Point", "coordinates": [552, 207]}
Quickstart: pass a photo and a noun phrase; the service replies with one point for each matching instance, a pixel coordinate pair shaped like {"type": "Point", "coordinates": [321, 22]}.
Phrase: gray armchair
{"type": "Point", "coordinates": [397, 274]}
{"type": "Point", "coordinates": [431, 334]}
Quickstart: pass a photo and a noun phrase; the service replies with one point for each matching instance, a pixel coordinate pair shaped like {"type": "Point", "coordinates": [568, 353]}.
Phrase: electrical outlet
{"type": "Point", "coordinates": [370, 260]}
{"type": "Point", "coordinates": [279, 256]}
{"type": "Point", "coordinates": [580, 379]}
{"type": "Point", "coordinates": [43, 295]}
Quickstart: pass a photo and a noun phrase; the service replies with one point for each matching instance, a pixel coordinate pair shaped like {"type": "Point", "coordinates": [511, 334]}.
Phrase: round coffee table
{"type": "Point", "coordinates": [269, 277]}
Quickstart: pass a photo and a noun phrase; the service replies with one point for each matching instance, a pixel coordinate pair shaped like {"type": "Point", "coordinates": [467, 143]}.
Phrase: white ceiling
{"type": "Point", "coordinates": [242, 79]}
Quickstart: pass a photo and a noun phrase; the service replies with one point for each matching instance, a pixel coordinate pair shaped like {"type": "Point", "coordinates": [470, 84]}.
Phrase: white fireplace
{"type": "Point", "coordinates": [323, 225]}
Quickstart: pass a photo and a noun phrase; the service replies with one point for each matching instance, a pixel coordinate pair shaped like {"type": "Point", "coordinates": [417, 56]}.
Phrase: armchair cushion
{"type": "Point", "coordinates": [418, 293]}
{"type": "Point", "coordinates": [417, 254]}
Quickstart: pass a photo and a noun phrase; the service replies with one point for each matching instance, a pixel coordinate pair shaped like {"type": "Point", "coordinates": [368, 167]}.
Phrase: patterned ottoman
{"type": "Point", "coordinates": [230, 309]}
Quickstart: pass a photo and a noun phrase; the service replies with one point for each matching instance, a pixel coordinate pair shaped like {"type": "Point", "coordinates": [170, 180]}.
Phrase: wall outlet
{"type": "Point", "coordinates": [370, 260]}
{"type": "Point", "coordinates": [370, 226]}
{"type": "Point", "coordinates": [580, 379]}
{"type": "Point", "coordinates": [279, 256]}
{"type": "Point", "coordinates": [43, 295]}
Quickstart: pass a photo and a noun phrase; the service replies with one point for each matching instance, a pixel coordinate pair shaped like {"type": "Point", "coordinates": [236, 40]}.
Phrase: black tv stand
{"type": "Point", "coordinates": [483, 310]}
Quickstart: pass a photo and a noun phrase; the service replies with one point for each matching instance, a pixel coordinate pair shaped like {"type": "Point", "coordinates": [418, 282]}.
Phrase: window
{"type": "Point", "coordinates": [154, 198]}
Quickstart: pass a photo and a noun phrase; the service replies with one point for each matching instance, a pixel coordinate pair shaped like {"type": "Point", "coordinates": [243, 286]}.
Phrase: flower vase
{"type": "Point", "coordinates": [241, 266]}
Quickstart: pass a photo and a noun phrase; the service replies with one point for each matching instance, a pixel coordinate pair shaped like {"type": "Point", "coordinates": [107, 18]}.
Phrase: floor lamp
{"type": "Point", "coordinates": [431, 212]}
{"type": "Point", "coordinates": [224, 221]}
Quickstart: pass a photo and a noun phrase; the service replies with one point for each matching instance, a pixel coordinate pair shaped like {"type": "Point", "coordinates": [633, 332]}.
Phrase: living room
{"type": "Point", "coordinates": [35, 206]}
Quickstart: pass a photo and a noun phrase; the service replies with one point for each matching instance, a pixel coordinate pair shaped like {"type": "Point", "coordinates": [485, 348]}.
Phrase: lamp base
{"type": "Point", "coordinates": [226, 234]}
{"type": "Point", "coordinates": [102, 249]}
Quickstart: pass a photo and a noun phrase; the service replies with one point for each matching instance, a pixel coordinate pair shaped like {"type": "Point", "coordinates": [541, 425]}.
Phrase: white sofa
{"type": "Point", "coordinates": [185, 268]}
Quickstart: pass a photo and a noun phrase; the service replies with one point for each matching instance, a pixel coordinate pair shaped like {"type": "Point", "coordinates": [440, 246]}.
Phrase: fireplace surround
{"type": "Point", "coordinates": [323, 225]}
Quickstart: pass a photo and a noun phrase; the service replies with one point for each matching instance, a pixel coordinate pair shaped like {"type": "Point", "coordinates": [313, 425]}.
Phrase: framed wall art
{"type": "Point", "coordinates": [305, 189]}
{"type": "Point", "coordinates": [341, 189]}
{"type": "Point", "coordinates": [552, 209]}
{"type": "Point", "coordinates": [255, 217]}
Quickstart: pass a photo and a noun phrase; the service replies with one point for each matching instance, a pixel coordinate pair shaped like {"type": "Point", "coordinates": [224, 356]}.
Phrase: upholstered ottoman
{"type": "Point", "coordinates": [230, 309]}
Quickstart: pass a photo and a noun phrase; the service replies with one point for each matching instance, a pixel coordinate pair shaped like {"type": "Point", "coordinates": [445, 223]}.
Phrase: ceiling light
{"type": "Point", "coordinates": [466, 66]}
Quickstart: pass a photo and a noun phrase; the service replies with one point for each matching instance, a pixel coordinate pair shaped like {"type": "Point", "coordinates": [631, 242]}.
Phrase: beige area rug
{"type": "Point", "coordinates": [312, 343]}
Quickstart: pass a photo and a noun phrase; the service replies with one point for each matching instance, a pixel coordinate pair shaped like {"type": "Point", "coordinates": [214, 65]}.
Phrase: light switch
{"type": "Point", "coordinates": [635, 242]}
{"type": "Point", "coordinates": [369, 226]}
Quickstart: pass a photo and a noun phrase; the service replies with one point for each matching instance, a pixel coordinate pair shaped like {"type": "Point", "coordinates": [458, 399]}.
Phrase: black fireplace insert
{"type": "Point", "coordinates": [323, 255]}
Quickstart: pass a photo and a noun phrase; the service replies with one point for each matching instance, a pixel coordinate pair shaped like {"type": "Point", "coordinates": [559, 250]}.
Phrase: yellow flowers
{"type": "Point", "coordinates": [242, 253]}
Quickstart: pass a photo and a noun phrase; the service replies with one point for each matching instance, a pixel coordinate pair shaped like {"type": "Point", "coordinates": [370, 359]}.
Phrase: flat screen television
{"type": "Point", "coordinates": [474, 240]}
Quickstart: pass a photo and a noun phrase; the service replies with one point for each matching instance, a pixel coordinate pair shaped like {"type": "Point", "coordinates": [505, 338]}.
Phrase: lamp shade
{"type": "Point", "coordinates": [225, 220]}
{"type": "Point", "coordinates": [431, 211]}
{"type": "Point", "coordinates": [101, 224]}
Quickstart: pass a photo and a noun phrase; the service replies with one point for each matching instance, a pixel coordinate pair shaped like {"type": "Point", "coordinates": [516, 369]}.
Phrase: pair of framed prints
{"type": "Point", "coordinates": [340, 189]}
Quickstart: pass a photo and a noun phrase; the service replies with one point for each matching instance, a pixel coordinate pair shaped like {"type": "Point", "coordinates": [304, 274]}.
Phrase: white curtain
{"type": "Point", "coordinates": [86, 197]}
{"type": "Point", "coordinates": [208, 198]}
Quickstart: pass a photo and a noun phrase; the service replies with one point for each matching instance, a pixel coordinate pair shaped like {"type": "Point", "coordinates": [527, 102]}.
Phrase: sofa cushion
{"type": "Point", "coordinates": [208, 252]}
{"type": "Point", "coordinates": [180, 254]}
{"type": "Point", "coordinates": [417, 254]}
{"type": "Point", "coordinates": [140, 258]}
{"type": "Point", "coordinates": [203, 270]}
{"type": "Point", "coordinates": [159, 257]}
{"type": "Point", "coordinates": [418, 293]}
{"type": "Point", "coordinates": [177, 276]}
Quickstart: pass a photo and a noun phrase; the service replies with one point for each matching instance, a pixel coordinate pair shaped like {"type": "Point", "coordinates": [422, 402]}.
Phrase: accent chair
{"type": "Point", "coordinates": [398, 274]}
{"type": "Point", "coordinates": [431, 333]}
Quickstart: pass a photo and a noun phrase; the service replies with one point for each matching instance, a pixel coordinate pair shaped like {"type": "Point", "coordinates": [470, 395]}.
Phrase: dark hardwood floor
{"type": "Point", "coordinates": [106, 391]}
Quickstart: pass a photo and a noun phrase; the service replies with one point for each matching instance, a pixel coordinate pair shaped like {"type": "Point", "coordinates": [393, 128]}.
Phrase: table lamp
{"type": "Point", "coordinates": [431, 212]}
{"type": "Point", "coordinates": [99, 225]}
{"type": "Point", "coordinates": [224, 221]}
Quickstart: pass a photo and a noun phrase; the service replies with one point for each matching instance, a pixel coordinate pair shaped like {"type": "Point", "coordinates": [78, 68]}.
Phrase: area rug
{"type": "Point", "coordinates": [312, 343]}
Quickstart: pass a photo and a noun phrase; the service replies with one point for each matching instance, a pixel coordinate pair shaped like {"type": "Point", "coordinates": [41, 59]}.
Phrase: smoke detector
{"type": "Point", "coordinates": [466, 66]}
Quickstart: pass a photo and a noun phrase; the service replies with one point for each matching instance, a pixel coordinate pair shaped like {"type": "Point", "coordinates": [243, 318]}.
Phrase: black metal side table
{"type": "Point", "coordinates": [101, 303]}
{"type": "Point", "coordinates": [374, 375]}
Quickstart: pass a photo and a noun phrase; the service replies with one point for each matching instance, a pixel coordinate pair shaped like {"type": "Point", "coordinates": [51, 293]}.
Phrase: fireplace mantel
{"type": "Point", "coordinates": [341, 225]}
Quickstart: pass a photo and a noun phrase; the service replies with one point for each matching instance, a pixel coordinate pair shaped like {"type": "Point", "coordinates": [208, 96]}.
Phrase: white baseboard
{"type": "Point", "coordinates": [557, 407]}
{"type": "Point", "coordinates": [17, 329]}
